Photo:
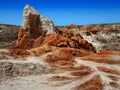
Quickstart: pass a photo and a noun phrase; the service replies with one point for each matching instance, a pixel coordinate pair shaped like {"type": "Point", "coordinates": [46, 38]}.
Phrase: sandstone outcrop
{"type": "Point", "coordinates": [101, 36]}
{"type": "Point", "coordinates": [38, 32]}
{"type": "Point", "coordinates": [33, 26]}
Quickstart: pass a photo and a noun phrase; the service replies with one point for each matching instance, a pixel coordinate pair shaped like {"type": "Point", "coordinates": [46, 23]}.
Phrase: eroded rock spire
{"type": "Point", "coordinates": [33, 26]}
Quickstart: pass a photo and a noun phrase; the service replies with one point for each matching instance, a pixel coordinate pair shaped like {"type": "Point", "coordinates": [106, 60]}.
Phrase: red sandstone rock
{"type": "Point", "coordinates": [110, 57]}
{"type": "Point", "coordinates": [26, 42]}
{"type": "Point", "coordinates": [65, 56]}
{"type": "Point", "coordinates": [56, 40]}
{"type": "Point", "coordinates": [38, 42]}
{"type": "Point", "coordinates": [19, 53]}
{"type": "Point", "coordinates": [75, 39]}
{"type": "Point", "coordinates": [72, 26]}
{"type": "Point", "coordinates": [33, 28]}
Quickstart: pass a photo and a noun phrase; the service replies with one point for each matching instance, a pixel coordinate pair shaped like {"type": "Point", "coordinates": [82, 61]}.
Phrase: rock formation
{"type": "Point", "coordinates": [66, 54]}
{"type": "Point", "coordinates": [38, 31]}
{"type": "Point", "coordinates": [34, 26]}
{"type": "Point", "coordinates": [101, 36]}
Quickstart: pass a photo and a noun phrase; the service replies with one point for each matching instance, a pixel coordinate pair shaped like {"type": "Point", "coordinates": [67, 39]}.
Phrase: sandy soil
{"type": "Point", "coordinates": [28, 83]}
{"type": "Point", "coordinates": [95, 72]}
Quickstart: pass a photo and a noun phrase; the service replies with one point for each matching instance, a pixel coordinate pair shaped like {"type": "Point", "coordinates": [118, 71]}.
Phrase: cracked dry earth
{"type": "Point", "coordinates": [93, 72]}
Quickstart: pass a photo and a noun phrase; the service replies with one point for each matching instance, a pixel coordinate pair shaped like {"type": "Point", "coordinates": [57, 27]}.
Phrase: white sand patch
{"type": "Point", "coordinates": [39, 83]}
{"type": "Point", "coordinates": [27, 83]}
{"type": "Point", "coordinates": [104, 76]}
{"type": "Point", "coordinates": [114, 57]}
{"type": "Point", "coordinates": [31, 59]}
{"type": "Point", "coordinates": [43, 82]}
{"type": "Point", "coordinates": [4, 50]}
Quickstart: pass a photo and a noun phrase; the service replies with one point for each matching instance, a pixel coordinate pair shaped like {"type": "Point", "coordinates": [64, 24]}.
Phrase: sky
{"type": "Point", "coordinates": [63, 12]}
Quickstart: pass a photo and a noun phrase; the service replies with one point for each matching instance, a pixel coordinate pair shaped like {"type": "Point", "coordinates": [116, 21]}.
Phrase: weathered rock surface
{"type": "Point", "coordinates": [35, 22]}
{"type": "Point", "coordinates": [102, 37]}
{"type": "Point", "coordinates": [33, 26]}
